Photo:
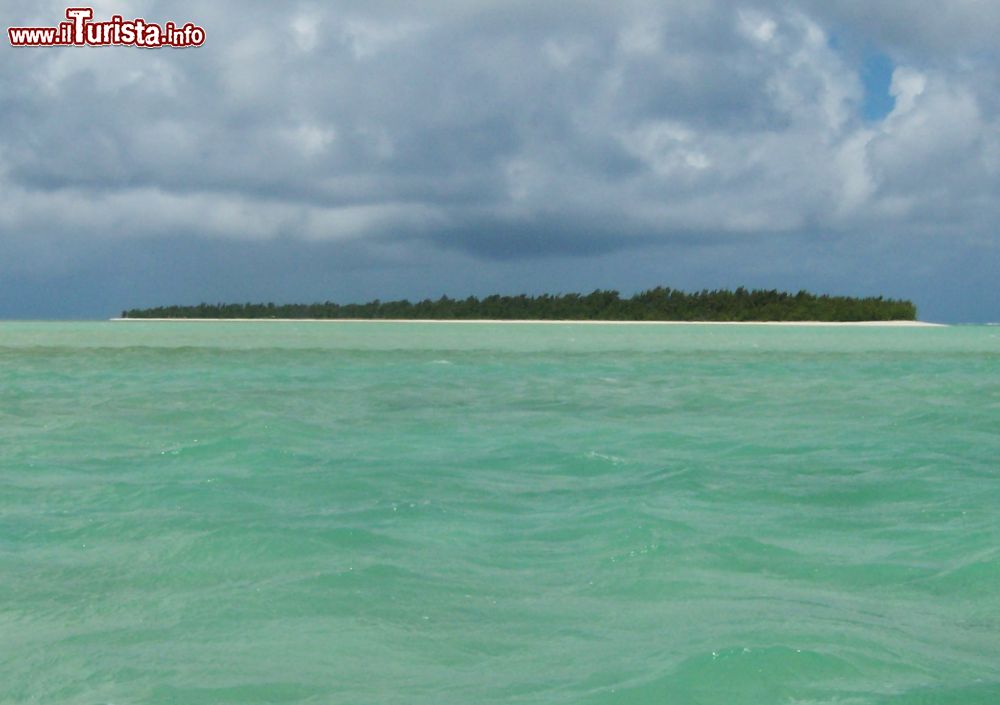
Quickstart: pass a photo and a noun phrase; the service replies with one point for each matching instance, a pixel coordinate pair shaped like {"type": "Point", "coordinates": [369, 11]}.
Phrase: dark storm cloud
{"type": "Point", "coordinates": [500, 131]}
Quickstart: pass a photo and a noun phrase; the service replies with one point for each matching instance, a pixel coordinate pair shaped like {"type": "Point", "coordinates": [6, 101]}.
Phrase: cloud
{"type": "Point", "coordinates": [920, 29]}
{"type": "Point", "coordinates": [503, 130]}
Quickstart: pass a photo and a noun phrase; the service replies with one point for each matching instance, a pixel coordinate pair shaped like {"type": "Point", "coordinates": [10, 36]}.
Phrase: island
{"type": "Point", "coordinates": [659, 304]}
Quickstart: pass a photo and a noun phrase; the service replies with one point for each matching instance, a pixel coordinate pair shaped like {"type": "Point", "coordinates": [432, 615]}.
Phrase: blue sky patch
{"type": "Point", "coordinates": [876, 75]}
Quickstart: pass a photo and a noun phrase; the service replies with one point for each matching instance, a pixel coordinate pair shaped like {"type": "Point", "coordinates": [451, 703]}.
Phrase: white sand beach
{"type": "Point", "coordinates": [870, 324]}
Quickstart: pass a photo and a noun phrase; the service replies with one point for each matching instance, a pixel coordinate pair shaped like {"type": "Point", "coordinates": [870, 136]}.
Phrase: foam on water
{"type": "Point", "coordinates": [249, 513]}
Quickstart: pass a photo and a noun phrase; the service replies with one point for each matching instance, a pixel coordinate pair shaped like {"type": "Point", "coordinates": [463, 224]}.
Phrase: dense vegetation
{"type": "Point", "coordinates": [659, 304]}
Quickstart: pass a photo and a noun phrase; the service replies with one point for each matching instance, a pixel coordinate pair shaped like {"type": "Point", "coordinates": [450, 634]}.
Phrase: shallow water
{"type": "Point", "coordinates": [475, 513]}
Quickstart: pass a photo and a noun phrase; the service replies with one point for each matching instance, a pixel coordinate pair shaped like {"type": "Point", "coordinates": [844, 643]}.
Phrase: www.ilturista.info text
{"type": "Point", "coordinates": [81, 30]}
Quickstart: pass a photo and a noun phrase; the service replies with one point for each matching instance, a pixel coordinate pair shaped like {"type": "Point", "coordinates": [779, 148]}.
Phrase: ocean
{"type": "Point", "coordinates": [475, 513]}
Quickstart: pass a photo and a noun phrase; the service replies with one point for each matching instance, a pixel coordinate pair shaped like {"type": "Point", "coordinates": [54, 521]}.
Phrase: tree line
{"type": "Point", "coordinates": [659, 304]}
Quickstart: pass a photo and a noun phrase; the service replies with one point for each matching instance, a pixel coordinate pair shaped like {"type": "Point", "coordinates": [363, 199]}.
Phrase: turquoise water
{"type": "Point", "coordinates": [458, 514]}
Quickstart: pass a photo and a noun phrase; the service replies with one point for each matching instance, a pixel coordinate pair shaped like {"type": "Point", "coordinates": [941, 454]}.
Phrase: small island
{"type": "Point", "coordinates": [659, 304]}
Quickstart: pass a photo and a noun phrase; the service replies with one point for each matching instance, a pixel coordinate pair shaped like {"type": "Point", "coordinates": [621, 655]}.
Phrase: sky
{"type": "Point", "coordinates": [346, 151]}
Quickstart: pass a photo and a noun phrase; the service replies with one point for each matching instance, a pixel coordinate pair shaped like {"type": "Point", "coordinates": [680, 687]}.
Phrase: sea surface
{"type": "Point", "coordinates": [470, 514]}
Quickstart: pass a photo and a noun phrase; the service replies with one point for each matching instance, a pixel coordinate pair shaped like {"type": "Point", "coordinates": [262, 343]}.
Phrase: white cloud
{"type": "Point", "coordinates": [757, 26]}
{"type": "Point", "coordinates": [907, 85]}
{"type": "Point", "coordinates": [311, 140]}
{"type": "Point", "coordinates": [305, 31]}
{"type": "Point", "coordinates": [367, 38]}
{"type": "Point", "coordinates": [374, 121]}
{"type": "Point", "coordinates": [640, 38]}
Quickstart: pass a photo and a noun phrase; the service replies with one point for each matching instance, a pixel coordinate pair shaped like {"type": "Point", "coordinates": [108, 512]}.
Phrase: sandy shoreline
{"type": "Point", "coordinates": [869, 324]}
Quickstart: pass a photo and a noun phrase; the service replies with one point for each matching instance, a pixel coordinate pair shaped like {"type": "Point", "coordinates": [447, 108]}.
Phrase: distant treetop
{"type": "Point", "coordinates": [659, 304]}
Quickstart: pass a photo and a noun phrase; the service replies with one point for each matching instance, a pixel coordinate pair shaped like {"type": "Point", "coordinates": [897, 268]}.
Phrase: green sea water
{"type": "Point", "coordinates": [477, 513]}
